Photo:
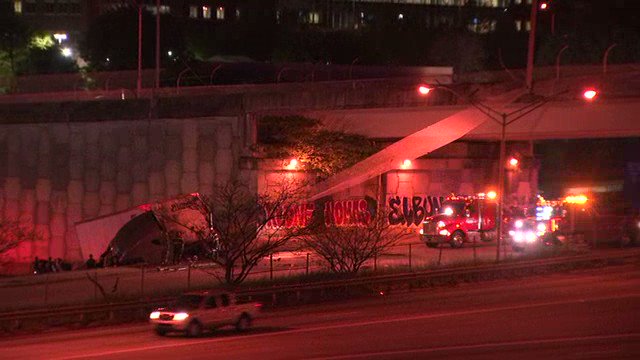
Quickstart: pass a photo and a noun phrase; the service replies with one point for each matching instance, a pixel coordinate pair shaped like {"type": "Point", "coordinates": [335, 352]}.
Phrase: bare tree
{"type": "Point", "coordinates": [346, 248]}
{"type": "Point", "coordinates": [240, 227]}
{"type": "Point", "coordinates": [12, 233]}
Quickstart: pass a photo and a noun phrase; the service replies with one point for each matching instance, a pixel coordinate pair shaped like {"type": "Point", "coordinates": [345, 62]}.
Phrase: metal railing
{"type": "Point", "coordinates": [271, 294]}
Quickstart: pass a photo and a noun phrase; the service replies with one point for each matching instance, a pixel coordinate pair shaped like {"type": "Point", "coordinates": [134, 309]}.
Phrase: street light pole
{"type": "Point", "coordinates": [157, 84]}
{"type": "Point", "coordinates": [501, 160]}
{"type": "Point", "coordinates": [532, 44]}
{"type": "Point", "coordinates": [139, 82]}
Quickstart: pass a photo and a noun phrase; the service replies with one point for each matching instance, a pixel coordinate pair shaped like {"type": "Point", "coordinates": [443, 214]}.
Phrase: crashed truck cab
{"type": "Point", "coordinates": [161, 233]}
{"type": "Point", "coordinates": [461, 219]}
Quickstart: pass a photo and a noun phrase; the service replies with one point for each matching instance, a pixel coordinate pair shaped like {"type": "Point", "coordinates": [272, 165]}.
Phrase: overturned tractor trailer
{"type": "Point", "coordinates": [159, 233]}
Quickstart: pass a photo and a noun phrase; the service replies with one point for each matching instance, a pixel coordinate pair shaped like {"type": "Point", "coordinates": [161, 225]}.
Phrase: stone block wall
{"type": "Point", "coordinates": [53, 175]}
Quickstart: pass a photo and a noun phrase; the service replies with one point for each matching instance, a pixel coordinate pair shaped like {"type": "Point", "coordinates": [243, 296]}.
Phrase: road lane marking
{"type": "Point", "coordinates": [480, 346]}
{"type": "Point", "coordinates": [356, 324]}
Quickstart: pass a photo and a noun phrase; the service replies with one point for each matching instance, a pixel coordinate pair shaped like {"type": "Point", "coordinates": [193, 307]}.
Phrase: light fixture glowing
{"type": "Point", "coordinates": [530, 236]}
{"type": "Point", "coordinates": [292, 164]}
{"type": "Point", "coordinates": [170, 53]}
{"type": "Point", "coordinates": [448, 211]}
{"type": "Point", "coordinates": [492, 194]}
{"type": "Point", "coordinates": [60, 37]}
{"type": "Point", "coordinates": [513, 162]}
{"type": "Point", "coordinates": [576, 199]}
{"type": "Point", "coordinates": [424, 89]}
{"type": "Point", "coordinates": [66, 52]}
{"type": "Point", "coordinates": [542, 228]}
{"type": "Point", "coordinates": [544, 6]}
{"type": "Point", "coordinates": [590, 94]}
{"type": "Point", "coordinates": [406, 163]}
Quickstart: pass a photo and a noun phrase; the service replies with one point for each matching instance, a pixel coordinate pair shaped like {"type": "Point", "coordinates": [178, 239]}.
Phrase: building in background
{"type": "Point", "coordinates": [72, 17]}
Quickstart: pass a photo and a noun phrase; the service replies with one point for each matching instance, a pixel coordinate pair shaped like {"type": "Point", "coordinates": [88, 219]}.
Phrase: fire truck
{"type": "Point", "coordinates": [461, 219]}
{"type": "Point", "coordinates": [545, 224]}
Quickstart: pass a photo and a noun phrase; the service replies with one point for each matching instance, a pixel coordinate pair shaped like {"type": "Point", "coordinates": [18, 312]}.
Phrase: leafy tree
{"type": "Point", "coordinates": [345, 249]}
{"type": "Point", "coordinates": [237, 222]}
{"type": "Point", "coordinates": [14, 39]}
{"type": "Point", "coordinates": [318, 149]}
{"type": "Point", "coordinates": [12, 234]}
{"type": "Point", "coordinates": [45, 57]}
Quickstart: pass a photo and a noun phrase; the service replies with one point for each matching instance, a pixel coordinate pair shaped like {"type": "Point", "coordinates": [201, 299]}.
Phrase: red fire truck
{"type": "Point", "coordinates": [461, 219]}
{"type": "Point", "coordinates": [545, 224]}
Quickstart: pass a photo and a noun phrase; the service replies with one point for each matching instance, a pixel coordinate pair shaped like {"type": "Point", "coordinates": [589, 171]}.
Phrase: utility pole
{"type": "Point", "coordinates": [139, 82]}
{"type": "Point", "coordinates": [532, 44]}
{"type": "Point", "coordinates": [157, 85]}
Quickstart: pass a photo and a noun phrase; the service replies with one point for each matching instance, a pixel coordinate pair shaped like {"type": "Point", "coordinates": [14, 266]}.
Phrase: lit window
{"type": "Point", "coordinates": [528, 25]}
{"type": "Point", "coordinates": [237, 13]}
{"type": "Point", "coordinates": [518, 25]}
{"type": "Point", "coordinates": [206, 12]}
{"type": "Point", "coordinates": [17, 6]}
{"type": "Point", "coordinates": [220, 13]}
{"type": "Point", "coordinates": [400, 16]}
{"type": "Point", "coordinates": [193, 12]}
{"type": "Point", "coordinates": [314, 18]}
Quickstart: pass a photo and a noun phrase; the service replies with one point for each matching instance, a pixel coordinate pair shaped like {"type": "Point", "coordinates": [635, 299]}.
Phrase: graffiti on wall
{"type": "Point", "coordinates": [347, 212]}
{"type": "Point", "coordinates": [298, 215]}
{"type": "Point", "coordinates": [407, 211]}
{"type": "Point", "coordinates": [412, 210]}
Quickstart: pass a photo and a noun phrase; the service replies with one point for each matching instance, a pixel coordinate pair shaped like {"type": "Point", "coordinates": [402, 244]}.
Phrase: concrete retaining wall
{"type": "Point", "coordinates": [54, 175]}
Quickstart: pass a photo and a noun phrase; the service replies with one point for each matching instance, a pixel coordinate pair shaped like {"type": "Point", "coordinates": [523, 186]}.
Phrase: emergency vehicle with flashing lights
{"type": "Point", "coordinates": [544, 227]}
{"type": "Point", "coordinates": [196, 312]}
{"type": "Point", "coordinates": [461, 219]}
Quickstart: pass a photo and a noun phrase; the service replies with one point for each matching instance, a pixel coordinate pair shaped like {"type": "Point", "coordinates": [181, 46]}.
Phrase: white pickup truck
{"type": "Point", "coordinates": [198, 311]}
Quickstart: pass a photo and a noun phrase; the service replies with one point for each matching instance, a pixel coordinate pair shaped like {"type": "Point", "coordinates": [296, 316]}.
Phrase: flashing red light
{"type": "Point", "coordinates": [590, 94]}
{"type": "Point", "coordinates": [424, 89]}
{"type": "Point", "coordinates": [544, 6]}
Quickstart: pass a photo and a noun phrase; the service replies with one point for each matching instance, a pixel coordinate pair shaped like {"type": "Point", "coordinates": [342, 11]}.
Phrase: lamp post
{"type": "Point", "coordinates": [139, 82]}
{"type": "Point", "coordinates": [138, 4]}
{"type": "Point", "coordinates": [503, 119]}
{"type": "Point", "coordinates": [547, 6]}
{"type": "Point", "coordinates": [532, 43]}
{"type": "Point", "coordinates": [157, 83]}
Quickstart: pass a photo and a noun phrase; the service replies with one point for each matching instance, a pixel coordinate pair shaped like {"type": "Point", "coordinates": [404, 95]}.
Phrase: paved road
{"type": "Point", "coordinates": [591, 314]}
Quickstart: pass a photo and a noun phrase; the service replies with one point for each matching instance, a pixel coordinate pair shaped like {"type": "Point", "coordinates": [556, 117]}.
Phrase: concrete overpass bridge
{"type": "Point", "coordinates": [72, 156]}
